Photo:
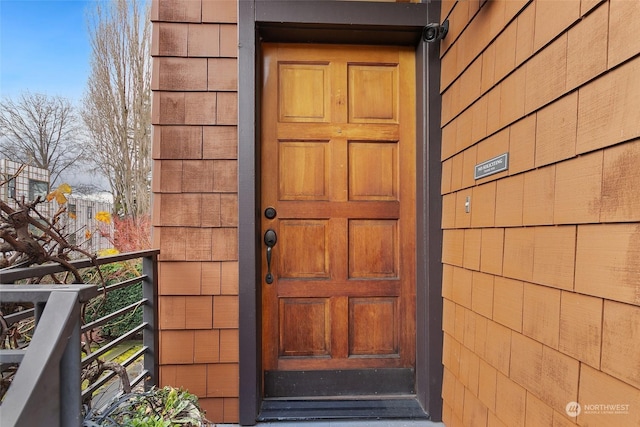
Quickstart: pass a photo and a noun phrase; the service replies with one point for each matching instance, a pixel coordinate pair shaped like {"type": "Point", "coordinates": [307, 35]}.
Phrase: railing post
{"type": "Point", "coordinates": [150, 316]}
{"type": "Point", "coordinates": [36, 395]}
{"type": "Point", "coordinates": [70, 379]}
{"type": "Point", "coordinates": [47, 387]}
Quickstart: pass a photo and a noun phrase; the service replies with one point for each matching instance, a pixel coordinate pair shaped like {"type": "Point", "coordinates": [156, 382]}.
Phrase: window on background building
{"type": "Point", "coordinates": [89, 212]}
{"type": "Point", "coordinates": [72, 210]}
{"type": "Point", "coordinates": [38, 188]}
{"type": "Point", "coordinates": [11, 187]}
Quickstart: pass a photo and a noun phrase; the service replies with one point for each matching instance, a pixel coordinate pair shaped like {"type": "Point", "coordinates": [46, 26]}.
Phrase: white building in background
{"type": "Point", "coordinates": [84, 229]}
{"type": "Point", "coordinates": [80, 221]}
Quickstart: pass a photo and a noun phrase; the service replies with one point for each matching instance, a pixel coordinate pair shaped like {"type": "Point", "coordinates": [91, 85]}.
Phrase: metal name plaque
{"type": "Point", "coordinates": [497, 164]}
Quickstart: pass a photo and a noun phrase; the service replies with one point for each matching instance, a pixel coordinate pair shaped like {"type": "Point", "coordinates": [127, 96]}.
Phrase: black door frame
{"type": "Point", "coordinates": [353, 23]}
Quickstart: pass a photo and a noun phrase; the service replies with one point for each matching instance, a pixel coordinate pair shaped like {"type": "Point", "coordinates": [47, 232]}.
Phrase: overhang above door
{"type": "Point", "coordinates": [344, 22]}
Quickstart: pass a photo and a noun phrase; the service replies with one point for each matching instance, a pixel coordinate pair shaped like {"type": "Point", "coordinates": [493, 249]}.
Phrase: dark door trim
{"type": "Point", "coordinates": [355, 23]}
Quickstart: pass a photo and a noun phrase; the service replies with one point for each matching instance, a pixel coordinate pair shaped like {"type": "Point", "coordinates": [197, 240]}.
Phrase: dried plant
{"type": "Point", "coordinates": [29, 238]}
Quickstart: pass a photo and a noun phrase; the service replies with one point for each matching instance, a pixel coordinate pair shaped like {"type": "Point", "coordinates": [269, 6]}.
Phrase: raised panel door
{"type": "Point", "coordinates": [338, 167]}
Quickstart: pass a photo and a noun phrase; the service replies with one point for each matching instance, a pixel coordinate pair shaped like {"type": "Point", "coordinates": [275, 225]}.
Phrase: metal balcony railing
{"type": "Point", "coordinates": [46, 390]}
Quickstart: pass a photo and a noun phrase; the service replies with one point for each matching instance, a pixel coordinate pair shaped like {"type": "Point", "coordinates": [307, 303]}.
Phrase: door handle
{"type": "Point", "coordinates": [270, 239]}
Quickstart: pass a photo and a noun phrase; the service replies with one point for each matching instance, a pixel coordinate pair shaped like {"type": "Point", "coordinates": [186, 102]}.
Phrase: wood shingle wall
{"type": "Point", "coordinates": [195, 214]}
{"type": "Point", "coordinates": [541, 278]}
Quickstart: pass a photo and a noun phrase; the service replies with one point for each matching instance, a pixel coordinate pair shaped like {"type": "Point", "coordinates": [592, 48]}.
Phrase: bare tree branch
{"type": "Point", "coordinates": [42, 131]}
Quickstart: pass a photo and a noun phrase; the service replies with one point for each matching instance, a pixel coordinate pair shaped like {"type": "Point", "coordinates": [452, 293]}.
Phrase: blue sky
{"type": "Point", "coordinates": [44, 47]}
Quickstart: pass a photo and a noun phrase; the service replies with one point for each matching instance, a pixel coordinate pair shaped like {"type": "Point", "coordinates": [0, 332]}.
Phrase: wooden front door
{"type": "Point", "coordinates": [338, 220]}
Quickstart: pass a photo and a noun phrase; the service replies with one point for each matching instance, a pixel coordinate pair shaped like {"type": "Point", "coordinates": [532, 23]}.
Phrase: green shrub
{"type": "Point", "coordinates": [162, 407]}
{"type": "Point", "coordinates": [115, 300]}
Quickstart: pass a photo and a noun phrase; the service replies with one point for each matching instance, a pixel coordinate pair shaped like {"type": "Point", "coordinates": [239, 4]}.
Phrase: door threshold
{"type": "Point", "coordinates": [397, 407]}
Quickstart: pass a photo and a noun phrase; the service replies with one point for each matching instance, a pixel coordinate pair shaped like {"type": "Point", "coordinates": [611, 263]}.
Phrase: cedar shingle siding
{"type": "Point", "coordinates": [541, 278]}
{"type": "Point", "coordinates": [195, 198]}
